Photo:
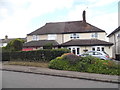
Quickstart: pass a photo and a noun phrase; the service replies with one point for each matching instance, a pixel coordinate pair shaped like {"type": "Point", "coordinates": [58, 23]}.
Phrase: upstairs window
{"type": "Point", "coordinates": [118, 35]}
{"type": "Point", "coordinates": [94, 35]}
{"type": "Point", "coordinates": [52, 37]}
{"type": "Point", "coordinates": [74, 36]}
{"type": "Point", "coordinates": [35, 37]}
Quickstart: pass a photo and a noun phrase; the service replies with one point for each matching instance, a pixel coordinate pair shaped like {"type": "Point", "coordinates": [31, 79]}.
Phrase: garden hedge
{"type": "Point", "coordinates": [38, 55]}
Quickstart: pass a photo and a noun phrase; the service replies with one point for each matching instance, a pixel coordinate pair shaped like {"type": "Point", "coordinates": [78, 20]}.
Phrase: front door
{"type": "Point", "coordinates": [75, 50]}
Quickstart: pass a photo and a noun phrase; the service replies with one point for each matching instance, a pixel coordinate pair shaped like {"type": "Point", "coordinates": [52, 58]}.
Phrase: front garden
{"type": "Point", "coordinates": [62, 59]}
{"type": "Point", "coordinates": [88, 64]}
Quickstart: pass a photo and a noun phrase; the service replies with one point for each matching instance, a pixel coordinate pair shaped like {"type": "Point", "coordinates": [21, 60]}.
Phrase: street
{"type": "Point", "coordinates": [27, 80]}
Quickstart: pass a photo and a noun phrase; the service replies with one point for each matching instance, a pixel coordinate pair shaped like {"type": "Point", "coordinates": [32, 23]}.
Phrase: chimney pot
{"type": "Point", "coordinates": [6, 37]}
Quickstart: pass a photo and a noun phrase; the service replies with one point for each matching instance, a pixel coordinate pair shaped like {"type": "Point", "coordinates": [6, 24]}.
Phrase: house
{"type": "Point", "coordinates": [114, 37]}
{"type": "Point", "coordinates": [6, 40]}
{"type": "Point", "coordinates": [78, 36]}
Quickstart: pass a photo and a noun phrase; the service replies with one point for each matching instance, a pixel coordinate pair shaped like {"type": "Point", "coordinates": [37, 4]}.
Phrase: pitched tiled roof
{"type": "Point", "coordinates": [87, 42]}
{"type": "Point", "coordinates": [66, 27]}
{"type": "Point", "coordinates": [116, 30]}
{"type": "Point", "coordinates": [39, 43]}
{"type": "Point", "coordinates": [9, 39]}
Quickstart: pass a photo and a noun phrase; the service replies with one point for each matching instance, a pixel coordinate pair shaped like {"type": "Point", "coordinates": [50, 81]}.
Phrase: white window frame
{"type": "Point", "coordinates": [74, 48]}
{"type": "Point", "coordinates": [35, 37]}
{"type": "Point", "coordinates": [74, 36]}
{"type": "Point", "coordinates": [52, 36]}
{"type": "Point", "coordinates": [94, 35]}
{"type": "Point", "coordinates": [96, 48]}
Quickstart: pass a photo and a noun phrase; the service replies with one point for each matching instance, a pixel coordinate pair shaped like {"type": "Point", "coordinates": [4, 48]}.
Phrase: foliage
{"type": "Point", "coordinates": [48, 46]}
{"type": "Point", "coordinates": [38, 55]}
{"type": "Point", "coordinates": [14, 45]}
{"type": "Point", "coordinates": [71, 58]}
{"type": "Point", "coordinates": [85, 64]}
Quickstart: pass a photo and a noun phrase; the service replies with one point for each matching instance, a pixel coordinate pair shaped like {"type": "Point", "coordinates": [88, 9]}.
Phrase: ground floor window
{"type": "Point", "coordinates": [98, 48]}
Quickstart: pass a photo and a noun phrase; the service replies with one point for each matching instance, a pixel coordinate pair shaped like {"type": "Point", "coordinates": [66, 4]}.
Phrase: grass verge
{"type": "Point", "coordinates": [26, 63]}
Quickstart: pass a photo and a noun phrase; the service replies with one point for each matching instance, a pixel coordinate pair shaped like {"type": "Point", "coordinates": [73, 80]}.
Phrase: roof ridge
{"type": "Point", "coordinates": [64, 22]}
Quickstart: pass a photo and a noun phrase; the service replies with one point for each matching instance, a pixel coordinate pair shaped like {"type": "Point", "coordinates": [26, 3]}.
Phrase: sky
{"type": "Point", "coordinates": [21, 17]}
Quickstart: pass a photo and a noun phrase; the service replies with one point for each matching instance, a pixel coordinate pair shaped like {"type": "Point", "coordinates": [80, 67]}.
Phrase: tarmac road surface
{"type": "Point", "coordinates": [27, 80]}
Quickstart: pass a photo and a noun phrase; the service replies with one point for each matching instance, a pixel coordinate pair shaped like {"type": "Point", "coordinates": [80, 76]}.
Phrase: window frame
{"type": "Point", "coordinates": [52, 36]}
{"type": "Point", "coordinates": [74, 36]}
{"type": "Point", "coordinates": [94, 35]}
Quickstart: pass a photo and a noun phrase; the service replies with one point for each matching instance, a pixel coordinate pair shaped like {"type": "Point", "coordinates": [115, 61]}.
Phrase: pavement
{"type": "Point", "coordinates": [61, 73]}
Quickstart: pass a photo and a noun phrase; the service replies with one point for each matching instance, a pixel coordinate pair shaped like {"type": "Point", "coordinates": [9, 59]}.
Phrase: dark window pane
{"type": "Point", "coordinates": [78, 51]}
{"type": "Point", "coordinates": [93, 49]}
{"type": "Point", "coordinates": [102, 48]}
{"type": "Point", "coordinates": [98, 48]}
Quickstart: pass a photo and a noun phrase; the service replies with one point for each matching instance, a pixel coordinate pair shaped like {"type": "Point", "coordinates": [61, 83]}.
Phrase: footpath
{"type": "Point", "coordinates": [61, 73]}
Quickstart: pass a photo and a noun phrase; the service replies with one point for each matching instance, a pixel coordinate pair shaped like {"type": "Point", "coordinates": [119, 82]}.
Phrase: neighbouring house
{"type": "Point", "coordinates": [6, 40]}
{"type": "Point", "coordinates": [78, 36]}
{"type": "Point", "coordinates": [114, 37]}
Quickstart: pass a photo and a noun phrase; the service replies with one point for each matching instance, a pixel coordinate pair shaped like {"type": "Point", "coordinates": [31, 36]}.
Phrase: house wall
{"type": "Point", "coordinates": [101, 36]}
{"type": "Point", "coordinates": [116, 41]}
{"type": "Point", "coordinates": [61, 38]}
{"type": "Point", "coordinates": [107, 49]}
{"type": "Point", "coordinates": [40, 37]}
{"type": "Point", "coordinates": [29, 38]}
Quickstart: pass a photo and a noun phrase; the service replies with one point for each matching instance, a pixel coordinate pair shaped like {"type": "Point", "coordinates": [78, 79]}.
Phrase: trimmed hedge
{"type": "Point", "coordinates": [38, 55]}
{"type": "Point", "coordinates": [5, 56]}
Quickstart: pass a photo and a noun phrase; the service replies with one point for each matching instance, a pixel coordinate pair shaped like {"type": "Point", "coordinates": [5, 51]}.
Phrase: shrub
{"type": "Point", "coordinates": [71, 58]}
{"type": "Point", "coordinates": [89, 59]}
{"type": "Point", "coordinates": [85, 64]}
{"type": "Point", "coordinates": [59, 64]}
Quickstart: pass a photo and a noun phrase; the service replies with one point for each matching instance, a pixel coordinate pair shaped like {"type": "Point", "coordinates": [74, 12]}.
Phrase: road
{"type": "Point", "coordinates": [27, 80]}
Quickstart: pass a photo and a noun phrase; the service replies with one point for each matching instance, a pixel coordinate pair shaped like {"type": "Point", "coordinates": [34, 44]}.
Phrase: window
{"type": "Point", "coordinates": [93, 49]}
{"type": "Point", "coordinates": [118, 35]}
{"type": "Point", "coordinates": [74, 36]}
{"type": "Point", "coordinates": [52, 37]}
{"type": "Point", "coordinates": [103, 49]}
{"type": "Point", "coordinates": [98, 48]}
{"type": "Point", "coordinates": [78, 51]}
{"type": "Point", "coordinates": [94, 35]}
{"type": "Point", "coordinates": [69, 49]}
{"type": "Point", "coordinates": [35, 37]}
{"type": "Point", "coordinates": [74, 51]}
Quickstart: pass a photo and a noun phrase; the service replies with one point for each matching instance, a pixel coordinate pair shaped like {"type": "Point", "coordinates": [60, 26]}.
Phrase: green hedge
{"type": "Point", "coordinates": [85, 64]}
{"type": "Point", "coordinates": [5, 56]}
{"type": "Point", "coordinates": [37, 55]}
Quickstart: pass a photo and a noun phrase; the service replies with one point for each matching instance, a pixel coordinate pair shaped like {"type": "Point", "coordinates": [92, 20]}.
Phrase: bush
{"type": "Point", "coordinates": [85, 64]}
{"type": "Point", "coordinates": [59, 64]}
{"type": "Point", "coordinates": [71, 58]}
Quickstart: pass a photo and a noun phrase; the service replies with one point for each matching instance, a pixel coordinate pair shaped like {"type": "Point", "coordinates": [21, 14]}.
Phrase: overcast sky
{"type": "Point", "coordinates": [20, 17]}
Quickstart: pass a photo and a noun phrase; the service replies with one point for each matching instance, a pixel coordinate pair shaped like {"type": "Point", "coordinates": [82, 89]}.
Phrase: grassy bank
{"type": "Point", "coordinates": [26, 63]}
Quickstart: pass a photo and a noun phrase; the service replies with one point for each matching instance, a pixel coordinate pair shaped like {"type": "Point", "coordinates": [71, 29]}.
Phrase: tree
{"type": "Point", "coordinates": [48, 46]}
{"type": "Point", "coordinates": [14, 45]}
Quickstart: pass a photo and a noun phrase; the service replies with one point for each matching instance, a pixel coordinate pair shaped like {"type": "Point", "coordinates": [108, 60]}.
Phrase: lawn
{"type": "Point", "coordinates": [26, 63]}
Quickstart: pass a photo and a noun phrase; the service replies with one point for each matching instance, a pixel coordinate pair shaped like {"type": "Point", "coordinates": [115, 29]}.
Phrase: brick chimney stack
{"type": "Point", "coordinates": [6, 37]}
{"type": "Point", "coordinates": [84, 16]}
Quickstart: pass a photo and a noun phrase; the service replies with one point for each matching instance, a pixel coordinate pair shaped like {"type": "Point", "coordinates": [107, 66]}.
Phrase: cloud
{"type": "Point", "coordinates": [16, 15]}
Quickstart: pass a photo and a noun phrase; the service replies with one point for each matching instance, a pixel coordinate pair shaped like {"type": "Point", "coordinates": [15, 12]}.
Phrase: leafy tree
{"type": "Point", "coordinates": [48, 46]}
{"type": "Point", "coordinates": [14, 45]}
